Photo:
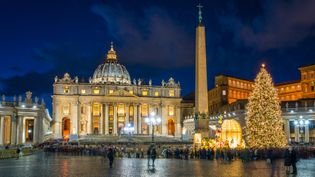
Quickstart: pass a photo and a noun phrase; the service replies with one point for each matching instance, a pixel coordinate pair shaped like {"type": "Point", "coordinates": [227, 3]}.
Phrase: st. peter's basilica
{"type": "Point", "coordinates": [110, 101]}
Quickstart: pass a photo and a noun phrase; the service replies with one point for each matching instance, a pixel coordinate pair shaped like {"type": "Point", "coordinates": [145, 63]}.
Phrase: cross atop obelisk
{"type": "Point", "coordinates": [200, 12]}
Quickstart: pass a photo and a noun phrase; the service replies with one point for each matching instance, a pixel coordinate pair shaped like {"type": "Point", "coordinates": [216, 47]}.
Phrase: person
{"type": "Point", "coordinates": [153, 155]}
{"type": "Point", "coordinates": [293, 159]}
{"type": "Point", "coordinates": [287, 161]}
{"type": "Point", "coordinates": [18, 151]}
{"type": "Point", "coordinates": [271, 159]}
{"type": "Point", "coordinates": [149, 155]}
{"type": "Point", "coordinates": [110, 156]}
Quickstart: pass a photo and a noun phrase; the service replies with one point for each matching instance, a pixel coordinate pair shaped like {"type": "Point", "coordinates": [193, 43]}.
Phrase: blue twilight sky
{"type": "Point", "coordinates": [153, 38]}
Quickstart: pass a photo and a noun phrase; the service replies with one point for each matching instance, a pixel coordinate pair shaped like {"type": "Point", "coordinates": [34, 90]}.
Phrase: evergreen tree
{"type": "Point", "coordinates": [264, 123]}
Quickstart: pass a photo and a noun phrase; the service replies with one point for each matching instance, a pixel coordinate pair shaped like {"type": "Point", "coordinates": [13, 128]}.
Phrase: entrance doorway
{"type": "Point", "coordinates": [171, 127]}
{"type": "Point", "coordinates": [231, 133]}
{"type": "Point", "coordinates": [29, 130]}
{"type": "Point", "coordinates": [65, 128]}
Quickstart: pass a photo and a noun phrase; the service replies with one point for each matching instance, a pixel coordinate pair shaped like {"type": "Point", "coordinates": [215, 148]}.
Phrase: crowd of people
{"type": "Point", "coordinates": [177, 152]}
{"type": "Point", "coordinates": [151, 152]}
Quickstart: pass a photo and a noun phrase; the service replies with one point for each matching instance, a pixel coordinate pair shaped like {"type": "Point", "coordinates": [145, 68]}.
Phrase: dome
{"type": "Point", "coordinates": [111, 71]}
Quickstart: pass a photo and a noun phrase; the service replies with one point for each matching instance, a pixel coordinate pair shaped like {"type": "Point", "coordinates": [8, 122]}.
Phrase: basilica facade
{"type": "Point", "coordinates": [110, 101]}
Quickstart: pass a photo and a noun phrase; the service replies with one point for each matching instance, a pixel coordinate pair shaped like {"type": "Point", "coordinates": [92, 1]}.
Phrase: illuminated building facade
{"type": "Point", "coordinates": [227, 101]}
{"type": "Point", "coordinates": [110, 101]}
{"type": "Point", "coordinates": [23, 121]}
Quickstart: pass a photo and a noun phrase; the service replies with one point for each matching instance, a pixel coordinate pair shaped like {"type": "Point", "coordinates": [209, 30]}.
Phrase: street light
{"type": "Point", "coordinates": [152, 120]}
{"type": "Point", "coordinates": [129, 129]}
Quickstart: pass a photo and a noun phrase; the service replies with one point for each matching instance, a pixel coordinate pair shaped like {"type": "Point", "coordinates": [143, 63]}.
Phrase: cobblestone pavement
{"type": "Point", "coordinates": [53, 165]}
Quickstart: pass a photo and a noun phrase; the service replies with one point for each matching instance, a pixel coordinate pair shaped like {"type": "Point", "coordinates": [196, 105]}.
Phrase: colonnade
{"type": "Point", "coordinates": [112, 117]}
{"type": "Point", "coordinates": [13, 130]}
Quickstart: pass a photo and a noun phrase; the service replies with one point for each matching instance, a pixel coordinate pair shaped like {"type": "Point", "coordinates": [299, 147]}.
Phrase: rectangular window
{"type": "Point", "coordinates": [111, 91]}
{"type": "Point", "coordinates": [156, 93]}
{"type": "Point", "coordinates": [223, 92]}
{"type": "Point", "coordinates": [131, 111]}
{"type": "Point", "coordinates": [111, 110]}
{"type": "Point", "coordinates": [121, 109]}
{"type": "Point", "coordinates": [171, 110]}
{"type": "Point", "coordinates": [131, 92]}
{"type": "Point", "coordinates": [144, 110]}
{"type": "Point", "coordinates": [96, 91]}
{"type": "Point", "coordinates": [83, 91]}
{"type": "Point", "coordinates": [96, 109]}
{"type": "Point", "coordinates": [144, 93]}
{"type": "Point", "coordinates": [171, 93]}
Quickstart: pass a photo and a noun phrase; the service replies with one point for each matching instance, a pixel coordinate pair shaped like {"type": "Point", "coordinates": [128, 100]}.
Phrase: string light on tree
{"type": "Point", "coordinates": [264, 123]}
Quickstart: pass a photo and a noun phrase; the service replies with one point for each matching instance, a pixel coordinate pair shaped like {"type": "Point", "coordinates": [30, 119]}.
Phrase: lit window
{"type": "Point", "coordinates": [66, 89]}
{"type": "Point", "coordinates": [131, 92]}
{"type": "Point", "coordinates": [131, 111]}
{"type": "Point", "coordinates": [144, 110]}
{"type": "Point", "coordinates": [111, 91]}
{"type": "Point", "coordinates": [171, 92]}
{"type": "Point", "coordinates": [156, 93]}
{"type": "Point", "coordinates": [171, 110]}
{"type": "Point", "coordinates": [121, 109]}
{"type": "Point", "coordinates": [144, 93]}
{"type": "Point", "coordinates": [223, 92]}
{"type": "Point", "coordinates": [83, 91]}
{"type": "Point", "coordinates": [96, 91]}
{"type": "Point", "coordinates": [96, 109]}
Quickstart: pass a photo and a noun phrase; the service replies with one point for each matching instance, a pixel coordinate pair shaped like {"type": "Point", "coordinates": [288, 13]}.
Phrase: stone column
{"type": "Point", "coordinates": [164, 119]}
{"type": "Point", "coordinates": [89, 118]}
{"type": "Point", "coordinates": [139, 120]}
{"type": "Point", "coordinates": [159, 113]}
{"type": "Point", "coordinates": [178, 130]}
{"type": "Point", "coordinates": [307, 134]}
{"type": "Point", "coordinates": [297, 134]}
{"type": "Point", "coordinates": [135, 118]}
{"type": "Point", "coordinates": [106, 119]}
{"type": "Point", "coordinates": [57, 129]}
{"type": "Point", "coordinates": [127, 114]}
{"type": "Point", "coordinates": [18, 131]}
{"type": "Point", "coordinates": [287, 129]}
{"type": "Point", "coordinates": [1, 129]}
{"type": "Point", "coordinates": [36, 132]}
{"type": "Point", "coordinates": [101, 123]}
{"type": "Point", "coordinates": [115, 119]}
{"type": "Point", "coordinates": [13, 130]}
{"type": "Point", "coordinates": [74, 118]}
{"type": "Point", "coordinates": [23, 130]}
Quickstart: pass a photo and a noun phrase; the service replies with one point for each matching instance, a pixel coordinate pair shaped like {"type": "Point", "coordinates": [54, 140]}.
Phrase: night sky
{"type": "Point", "coordinates": [153, 39]}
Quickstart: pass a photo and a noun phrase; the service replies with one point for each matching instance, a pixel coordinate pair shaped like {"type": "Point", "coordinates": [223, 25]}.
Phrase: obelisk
{"type": "Point", "coordinates": [201, 84]}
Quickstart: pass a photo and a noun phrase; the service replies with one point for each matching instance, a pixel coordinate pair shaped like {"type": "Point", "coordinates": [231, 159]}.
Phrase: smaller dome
{"type": "Point", "coordinates": [111, 71]}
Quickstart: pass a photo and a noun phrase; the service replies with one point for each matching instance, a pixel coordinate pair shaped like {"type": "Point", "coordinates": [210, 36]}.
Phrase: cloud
{"type": "Point", "coordinates": [151, 38]}
{"type": "Point", "coordinates": [282, 24]}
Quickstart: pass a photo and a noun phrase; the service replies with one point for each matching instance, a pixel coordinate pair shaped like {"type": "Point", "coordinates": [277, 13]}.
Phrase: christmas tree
{"type": "Point", "coordinates": [264, 123]}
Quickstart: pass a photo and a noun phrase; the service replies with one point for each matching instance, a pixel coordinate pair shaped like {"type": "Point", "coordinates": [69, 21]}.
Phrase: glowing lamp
{"type": "Point", "coordinates": [307, 122]}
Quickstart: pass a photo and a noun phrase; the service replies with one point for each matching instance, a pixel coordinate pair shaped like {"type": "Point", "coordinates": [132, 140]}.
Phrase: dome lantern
{"type": "Point", "coordinates": [111, 54]}
{"type": "Point", "coordinates": [111, 71]}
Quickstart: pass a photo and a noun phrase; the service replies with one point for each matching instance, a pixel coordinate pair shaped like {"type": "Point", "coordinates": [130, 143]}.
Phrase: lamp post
{"type": "Point", "coordinates": [152, 120]}
{"type": "Point", "coordinates": [301, 124]}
